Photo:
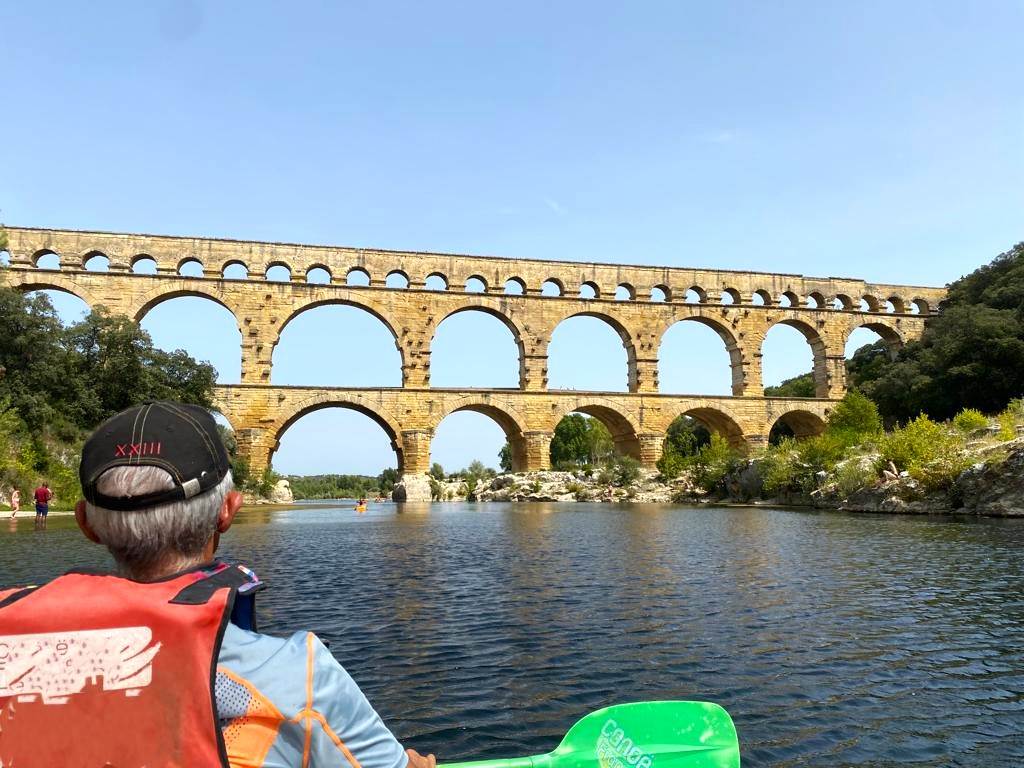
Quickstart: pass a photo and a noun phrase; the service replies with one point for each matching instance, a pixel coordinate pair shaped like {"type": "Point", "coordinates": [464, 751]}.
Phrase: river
{"type": "Point", "coordinates": [487, 630]}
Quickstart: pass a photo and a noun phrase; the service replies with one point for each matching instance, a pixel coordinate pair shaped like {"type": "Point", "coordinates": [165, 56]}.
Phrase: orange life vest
{"type": "Point", "coordinates": [97, 670]}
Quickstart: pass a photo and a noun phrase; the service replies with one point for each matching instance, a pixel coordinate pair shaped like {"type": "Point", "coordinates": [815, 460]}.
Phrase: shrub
{"type": "Point", "coordinates": [671, 464]}
{"type": "Point", "coordinates": [778, 467]}
{"type": "Point", "coordinates": [574, 487]}
{"type": "Point", "coordinates": [970, 420]}
{"type": "Point", "coordinates": [853, 475]}
{"type": "Point", "coordinates": [932, 454]}
{"type": "Point", "coordinates": [436, 490]}
{"type": "Point", "coordinates": [713, 462]}
{"type": "Point", "coordinates": [856, 416]}
{"type": "Point", "coordinates": [1010, 418]}
{"type": "Point", "coordinates": [625, 470]}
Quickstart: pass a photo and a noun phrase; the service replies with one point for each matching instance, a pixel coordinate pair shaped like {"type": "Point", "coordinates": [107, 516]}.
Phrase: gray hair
{"type": "Point", "coordinates": [148, 543]}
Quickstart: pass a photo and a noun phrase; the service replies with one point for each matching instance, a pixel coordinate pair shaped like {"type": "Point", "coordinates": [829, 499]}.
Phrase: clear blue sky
{"type": "Point", "coordinates": [877, 140]}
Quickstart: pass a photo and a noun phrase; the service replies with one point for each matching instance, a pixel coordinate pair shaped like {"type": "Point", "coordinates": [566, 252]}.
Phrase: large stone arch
{"type": "Point", "coordinates": [55, 282]}
{"type": "Point", "coordinates": [887, 330]}
{"type": "Point", "coordinates": [715, 417]}
{"type": "Point", "coordinates": [625, 433]}
{"type": "Point", "coordinates": [295, 411]}
{"type": "Point", "coordinates": [616, 325]}
{"type": "Point", "coordinates": [818, 350]}
{"type": "Point", "coordinates": [512, 422]}
{"type": "Point", "coordinates": [163, 293]}
{"type": "Point", "coordinates": [373, 308]}
{"type": "Point", "coordinates": [505, 319]}
{"type": "Point", "coordinates": [732, 346]}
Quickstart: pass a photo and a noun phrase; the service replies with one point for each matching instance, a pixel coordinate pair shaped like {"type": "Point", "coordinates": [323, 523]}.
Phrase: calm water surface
{"type": "Point", "coordinates": [487, 630]}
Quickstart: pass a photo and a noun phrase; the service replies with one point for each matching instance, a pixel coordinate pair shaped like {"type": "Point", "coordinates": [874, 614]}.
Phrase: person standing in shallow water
{"type": "Point", "coordinates": [43, 495]}
{"type": "Point", "coordinates": [159, 495]}
{"type": "Point", "coordinates": [15, 502]}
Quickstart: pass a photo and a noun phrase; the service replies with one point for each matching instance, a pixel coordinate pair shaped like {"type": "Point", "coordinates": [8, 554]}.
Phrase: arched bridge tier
{"type": "Point", "coordinates": [637, 421]}
{"type": "Point", "coordinates": [741, 307]}
{"type": "Point", "coordinates": [413, 293]}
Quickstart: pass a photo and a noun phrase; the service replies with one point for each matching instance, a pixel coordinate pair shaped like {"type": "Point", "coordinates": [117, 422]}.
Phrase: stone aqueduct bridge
{"type": "Point", "coordinates": [739, 306]}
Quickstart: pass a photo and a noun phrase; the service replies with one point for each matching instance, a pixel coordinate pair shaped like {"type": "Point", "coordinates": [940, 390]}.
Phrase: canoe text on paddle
{"type": "Point", "coordinates": [615, 748]}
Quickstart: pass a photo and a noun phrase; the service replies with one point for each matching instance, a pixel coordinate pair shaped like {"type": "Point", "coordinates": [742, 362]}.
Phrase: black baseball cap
{"type": "Point", "coordinates": [181, 439]}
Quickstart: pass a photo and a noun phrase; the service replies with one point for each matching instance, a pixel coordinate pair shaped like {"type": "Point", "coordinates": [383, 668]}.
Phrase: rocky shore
{"type": "Point", "coordinates": [993, 486]}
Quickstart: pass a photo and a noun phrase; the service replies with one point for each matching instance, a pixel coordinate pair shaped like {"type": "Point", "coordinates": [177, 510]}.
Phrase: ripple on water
{"type": "Point", "coordinates": [487, 630]}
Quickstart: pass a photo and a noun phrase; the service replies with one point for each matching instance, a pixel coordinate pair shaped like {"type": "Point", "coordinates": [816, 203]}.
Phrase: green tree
{"type": "Point", "coordinates": [971, 355]}
{"type": "Point", "coordinates": [856, 416]}
{"type": "Point", "coordinates": [505, 458]}
{"type": "Point", "coordinates": [580, 440]}
{"type": "Point", "coordinates": [386, 480]}
{"type": "Point", "coordinates": [798, 386]}
{"type": "Point", "coordinates": [437, 471]}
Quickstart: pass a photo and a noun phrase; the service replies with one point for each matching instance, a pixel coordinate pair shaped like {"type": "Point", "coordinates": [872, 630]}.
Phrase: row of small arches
{"type": "Point", "coordinates": [320, 274]}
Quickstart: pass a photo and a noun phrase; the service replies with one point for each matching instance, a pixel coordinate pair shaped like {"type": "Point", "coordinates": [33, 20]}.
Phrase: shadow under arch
{"type": "Point", "coordinates": [732, 347]}
{"type": "Point", "coordinates": [891, 336]}
{"type": "Point", "coordinates": [384, 419]}
{"type": "Point", "coordinates": [494, 312]}
{"type": "Point", "coordinates": [817, 345]}
{"type": "Point", "coordinates": [798, 424]}
{"type": "Point", "coordinates": [619, 328]}
{"type": "Point", "coordinates": [717, 421]}
{"type": "Point", "coordinates": [622, 429]}
{"type": "Point", "coordinates": [511, 423]}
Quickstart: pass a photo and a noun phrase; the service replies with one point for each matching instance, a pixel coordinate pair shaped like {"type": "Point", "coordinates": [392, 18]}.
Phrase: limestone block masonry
{"type": "Point", "coordinates": [531, 297]}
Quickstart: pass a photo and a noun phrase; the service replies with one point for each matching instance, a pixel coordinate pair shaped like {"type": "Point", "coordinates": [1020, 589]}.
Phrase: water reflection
{"type": "Point", "coordinates": [486, 630]}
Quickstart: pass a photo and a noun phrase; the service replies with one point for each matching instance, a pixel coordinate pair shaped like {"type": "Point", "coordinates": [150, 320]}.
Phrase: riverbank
{"type": "Point", "coordinates": [992, 485]}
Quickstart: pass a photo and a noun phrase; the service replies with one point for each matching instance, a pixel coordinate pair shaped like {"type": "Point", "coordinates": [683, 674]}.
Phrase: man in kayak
{"type": "Point", "coordinates": [161, 664]}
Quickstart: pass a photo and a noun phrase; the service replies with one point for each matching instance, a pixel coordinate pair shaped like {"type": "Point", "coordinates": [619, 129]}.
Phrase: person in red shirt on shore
{"type": "Point", "coordinates": [43, 495]}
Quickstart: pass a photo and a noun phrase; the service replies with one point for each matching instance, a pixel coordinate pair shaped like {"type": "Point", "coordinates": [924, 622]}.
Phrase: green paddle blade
{"type": "Point", "coordinates": [649, 734]}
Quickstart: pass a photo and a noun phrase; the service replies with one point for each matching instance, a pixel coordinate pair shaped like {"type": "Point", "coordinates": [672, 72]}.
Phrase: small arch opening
{"type": "Point", "coordinates": [235, 270]}
{"type": "Point", "coordinates": [919, 307]}
{"type": "Point", "coordinates": [476, 284]}
{"type": "Point", "coordinates": [695, 295]}
{"type": "Point", "coordinates": [279, 273]}
{"type": "Point", "coordinates": [436, 282]}
{"type": "Point", "coordinates": [5, 258]}
{"type": "Point", "coordinates": [318, 276]}
{"type": "Point", "coordinates": [397, 279]}
{"type": "Point", "coordinates": [357, 277]}
{"type": "Point", "coordinates": [761, 298]}
{"type": "Point", "coordinates": [842, 301]}
{"type": "Point", "coordinates": [625, 292]}
{"type": "Point", "coordinates": [46, 260]}
{"type": "Point", "coordinates": [815, 300]}
{"type": "Point", "coordinates": [730, 296]}
{"type": "Point", "coordinates": [869, 304]}
{"type": "Point", "coordinates": [514, 286]}
{"type": "Point", "coordinates": [552, 287]}
{"type": "Point", "coordinates": [660, 294]}
{"type": "Point", "coordinates": [190, 267]}
{"type": "Point", "coordinates": [96, 262]}
{"type": "Point", "coordinates": [589, 290]}
{"type": "Point", "coordinates": [144, 265]}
